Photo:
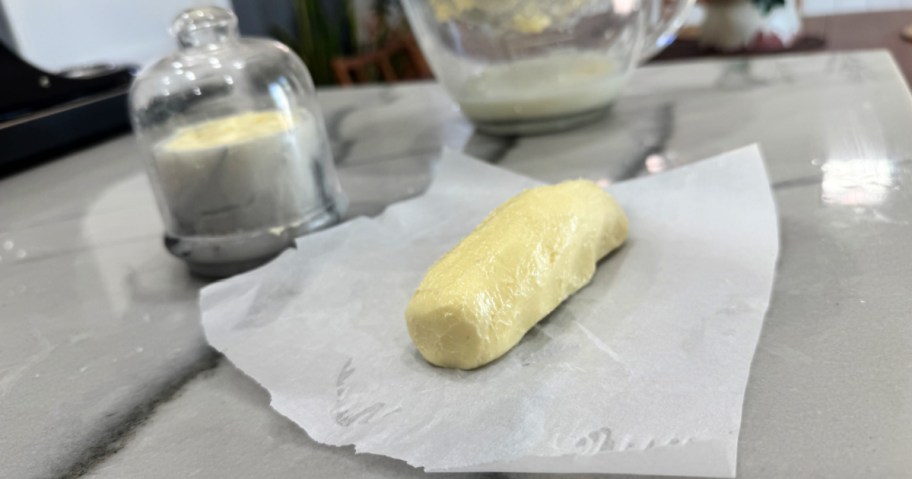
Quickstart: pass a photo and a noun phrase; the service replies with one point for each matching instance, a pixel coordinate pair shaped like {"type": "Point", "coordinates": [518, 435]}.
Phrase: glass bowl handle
{"type": "Point", "coordinates": [663, 19]}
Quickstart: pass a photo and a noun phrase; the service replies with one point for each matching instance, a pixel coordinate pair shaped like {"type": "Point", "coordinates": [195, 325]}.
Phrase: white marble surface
{"type": "Point", "coordinates": [100, 344]}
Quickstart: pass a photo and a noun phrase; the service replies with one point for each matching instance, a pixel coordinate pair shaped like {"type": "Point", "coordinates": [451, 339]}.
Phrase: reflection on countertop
{"type": "Point", "coordinates": [858, 182]}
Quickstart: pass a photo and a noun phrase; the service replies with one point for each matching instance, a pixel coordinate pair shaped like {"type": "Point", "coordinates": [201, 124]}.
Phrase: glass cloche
{"type": "Point", "coordinates": [236, 149]}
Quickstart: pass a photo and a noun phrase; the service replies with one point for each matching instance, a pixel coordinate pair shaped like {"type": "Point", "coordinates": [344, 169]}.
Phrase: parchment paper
{"type": "Point", "coordinates": [643, 371]}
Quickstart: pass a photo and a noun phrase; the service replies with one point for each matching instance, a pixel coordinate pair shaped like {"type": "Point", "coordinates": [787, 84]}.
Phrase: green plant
{"type": "Point", "coordinates": [382, 11]}
{"type": "Point", "coordinates": [766, 6]}
{"type": "Point", "coordinates": [317, 39]}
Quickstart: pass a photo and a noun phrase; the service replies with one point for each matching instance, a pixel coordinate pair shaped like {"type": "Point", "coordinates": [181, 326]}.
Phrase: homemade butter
{"type": "Point", "coordinates": [520, 263]}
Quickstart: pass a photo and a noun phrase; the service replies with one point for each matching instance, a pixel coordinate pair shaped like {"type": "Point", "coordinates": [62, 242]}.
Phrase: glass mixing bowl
{"type": "Point", "coordinates": [536, 66]}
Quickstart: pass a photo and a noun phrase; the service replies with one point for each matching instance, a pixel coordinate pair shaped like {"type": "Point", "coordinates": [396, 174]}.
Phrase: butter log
{"type": "Point", "coordinates": [518, 265]}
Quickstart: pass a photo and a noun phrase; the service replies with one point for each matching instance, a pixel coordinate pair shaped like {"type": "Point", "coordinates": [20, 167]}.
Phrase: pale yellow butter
{"type": "Point", "coordinates": [523, 16]}
{"type": "Point", "coordinates": [520, 263]}
{"type": "Point", "coordinates": [231, 130]}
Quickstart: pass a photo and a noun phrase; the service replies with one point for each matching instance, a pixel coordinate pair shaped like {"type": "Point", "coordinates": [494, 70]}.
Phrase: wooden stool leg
{"type": "Point", "coordinates": [341, 71]}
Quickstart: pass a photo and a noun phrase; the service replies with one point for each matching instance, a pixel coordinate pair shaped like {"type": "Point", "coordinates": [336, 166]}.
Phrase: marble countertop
{"type": "Point", "coordinates": [104, 371]}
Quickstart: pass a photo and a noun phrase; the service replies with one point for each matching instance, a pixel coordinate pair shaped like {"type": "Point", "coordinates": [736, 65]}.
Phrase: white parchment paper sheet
{"type": "Point", "coordinates": [642, 371]}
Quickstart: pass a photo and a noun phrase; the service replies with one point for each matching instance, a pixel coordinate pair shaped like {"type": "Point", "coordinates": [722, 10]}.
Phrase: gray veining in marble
{"type": "Point", "coordinates": [94, 319]}
{"type": "Point", "coordinates": [101, 351]}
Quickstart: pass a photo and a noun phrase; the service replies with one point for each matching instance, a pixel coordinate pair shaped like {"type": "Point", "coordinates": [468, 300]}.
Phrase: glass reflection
{"type": "Point", "coordinates": [857, 182]}
{"type": "Point", "coordinates": [656, 163]}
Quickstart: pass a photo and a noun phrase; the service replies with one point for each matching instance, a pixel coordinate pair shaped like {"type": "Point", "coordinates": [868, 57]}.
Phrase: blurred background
{"type": "Point", "coordinates": [67, 64]}
{"type": "Point", "coordinates": [56, 35]}
{"type": "Point", "coordinates": [59, 34]}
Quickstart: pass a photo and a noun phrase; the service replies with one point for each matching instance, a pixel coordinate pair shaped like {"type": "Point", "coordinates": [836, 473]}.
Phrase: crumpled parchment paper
{"type": "Point", "coordinates": [642, 371]}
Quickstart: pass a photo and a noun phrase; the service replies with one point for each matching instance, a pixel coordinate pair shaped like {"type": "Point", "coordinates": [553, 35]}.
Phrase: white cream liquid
{"type": "Point", "coordinates": [557, 85]}
{"type": "Point", "coordinates": [239, 174]}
